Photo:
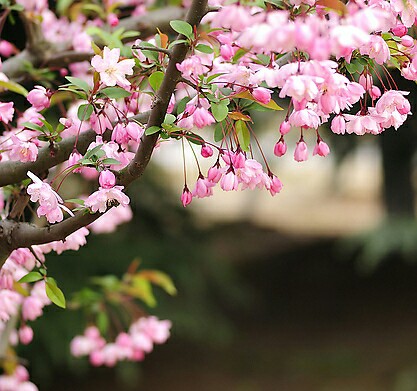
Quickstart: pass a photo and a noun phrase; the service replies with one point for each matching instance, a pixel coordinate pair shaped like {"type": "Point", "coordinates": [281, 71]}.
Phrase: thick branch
{"type": "Point", "coordinates": [136, 167]}
{"type": "Point", "coordinates": [15, 235]}
{"type": "Point", "coordinates": [15, 171]}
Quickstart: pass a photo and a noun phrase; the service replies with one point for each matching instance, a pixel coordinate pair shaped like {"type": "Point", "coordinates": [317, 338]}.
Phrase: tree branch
{"type": "Point", "coordinates": [15, 171]}
{"type": "Point", "coordinates": [15, 235]}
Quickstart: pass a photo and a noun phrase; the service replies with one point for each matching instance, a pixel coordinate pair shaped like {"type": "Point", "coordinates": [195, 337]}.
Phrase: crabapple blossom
{"type": "Point", "coordinates": [186, 196]}
{"type": "Point", "coordinates": [280, 148]}
{"type": "Point", "coordinates": [319, 63]}
{"type": "Point", "coordinates": [39, 97]}
{"type": "Point", "coordinates": [112, 71]}
{"type": "Point", "coordinates": [301, 151]}
{"type": "Point", "coordinates": [103, 198]}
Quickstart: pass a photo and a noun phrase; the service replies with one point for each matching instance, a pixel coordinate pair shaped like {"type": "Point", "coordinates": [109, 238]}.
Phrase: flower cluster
{"type": "Point", "coordinates": [130, 346]}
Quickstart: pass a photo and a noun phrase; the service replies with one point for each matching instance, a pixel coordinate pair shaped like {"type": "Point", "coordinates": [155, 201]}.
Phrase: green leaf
{"type": "Point", "coordinates": [219, 111]}
{"type": "Point", "coordinates": [177, 42]}
{"type": "Point", "coordinates": [239, 54]}
{"type": "Point", "coordinates": [212, 77]}
{"type": "Point", "coordinates": [110, 161]}
{"type": "Point", "coordinates": [169, 119]}
{"type": "Point", "coordinates": [152, 130]}
{"type": "Point", "coordinates": [142, 289]}
{"type": "Point", "coordinates": [182, 27]}
{"type": "Point", "coordinates": [92, 151]}
{"type": "Point", "coordinates": [31, 277]}
{"type": "Point", "coordinates": [14, 87]}
{"type": "Point", "coordinates": [219, 132]}
{"type": "Point", "coordinates": [243, 135]}
{"type": "Point", "coordinates": [54, 293]}
{"type": "Point", "coordinates": [155, 80]}
{"type": "Point", "coordinates": [161, 279]}
{"type": "Point", "coordinates": [84, 111]}
{"type": "Point", "coordinates": [115, 92]}
{"type": "Point", "coordinates": [82, 84]}
{"type": "Point", "coordinates": [195, 138]}
{"type": "Point", "coordinates": [204, 48]}
{"type": "Point", "coordinates": [29, 125]}
{"type": "Point", "coordinates": [264, 59]}
{"type": "Point", "coordinates": [182, 103]}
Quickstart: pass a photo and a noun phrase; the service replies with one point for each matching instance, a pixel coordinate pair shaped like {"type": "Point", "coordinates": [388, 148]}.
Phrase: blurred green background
{"type": "Point", "coordinates": [314, 289]}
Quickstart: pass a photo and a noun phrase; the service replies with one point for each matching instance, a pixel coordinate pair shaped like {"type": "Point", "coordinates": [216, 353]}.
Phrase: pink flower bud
{"type": "Point", "coordinates": [229, 182]}
{"type": "Point", "coordinates": [301, 151]}
{"type": "Point", "coordinates": [214, 174]}
{"type": "Point", "coordinates": [7, 48]}
{"type": "Point", "coordinates": [25, 335]}
{"type": "Point", "coordinates": [275, 185]}
{"type": "Point", "coordinates": [262, 95]}
{"type": "Point", "coordinates": [280, 148]}
{"type": "Point", "coordinates": [39, 98]}
{"type": "Point", "coordinates": [206, 151]}
{"type": "Point", "coordinates": [399, 30]}
{"type": "Point", "coordinates": [375, 92]}
{"type": "Point", "coordinates": [366, 81]}
{"type": "Point", "coordinates": [284, 128]}
{"type": "Point", "coordinates": [407, 41]}
{"type": "Point", "coordinates": [186, 196]}
{"type": "Point", "coordinates": [227, 52]}
{"type": "Point", "coordinates": [92, 332]}
{"type": "Point", "coordinates": [321, 149]}
{"type": "Point", "coordinates": [107, 179]}
{"type": "Point", "coordinates": [112, 20]}
{"type": "Point", "coordinates": [63, 72]}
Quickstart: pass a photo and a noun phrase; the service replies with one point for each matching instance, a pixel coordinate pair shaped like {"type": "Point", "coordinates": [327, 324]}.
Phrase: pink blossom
{"type": "Point", "coordinates": [377, 49]}
{"type": "Point", "coordinates": [39, 98]}
{"type": "Point", "coordinates": [214, 174]}
{"type": "Point", "coordinates": [202, 117]}
{"type": "Point", "coordinates": [24, 151]}
{"type": "Point", "coordinates": [9, 304]}
{"type": "Point", "coordinates": [7, 48]}
{"type": "Point", "coordinates": [321, 149]}
{"type": "Point", "coordinates": [229, 181]}
{"type": "Point", "coordinates": [399, 30]}
{"type": "Point", "coordinates": [112, 20]}
{"type": "Point", "coordinates": [206, 151]}
{"type": "Point", "coordinates": [32, 308]}
{"type": "Point", "coordinates": [6, 112]}
{"type": "Point", "coordinates": [50, 203]}
{"type": "Point", "coordinates": [407, 41]}
{"type": "Point", "coordinates": [304, 118]}
{"type": "Point", "coordinates": [301, 151]}
{"type": "Point", "coordinates": [157, 330]}
{"type": "Point", "coordinates": [107, 179]}
{"type": "Point", "coordinates": [338, 125]}
{"type": "Point", "coordinates": [262, 95]}
{"type": "Point", "coordinates": [186, 196]}
{"type": "Point", "coordinates": [284, 128]}
{"type": "Point", "coordinates": [25, 335]}
{"type": "Point", "coordinates": [203, 188]}
{"type": "Point", "coordinates": [112, 71]}
{"type": "Point", "coordinates": [274, 185]}
{"type": "Point", "coordinates": [280, 148]}
{"type": "Point", "coordinates": [103, 198]}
